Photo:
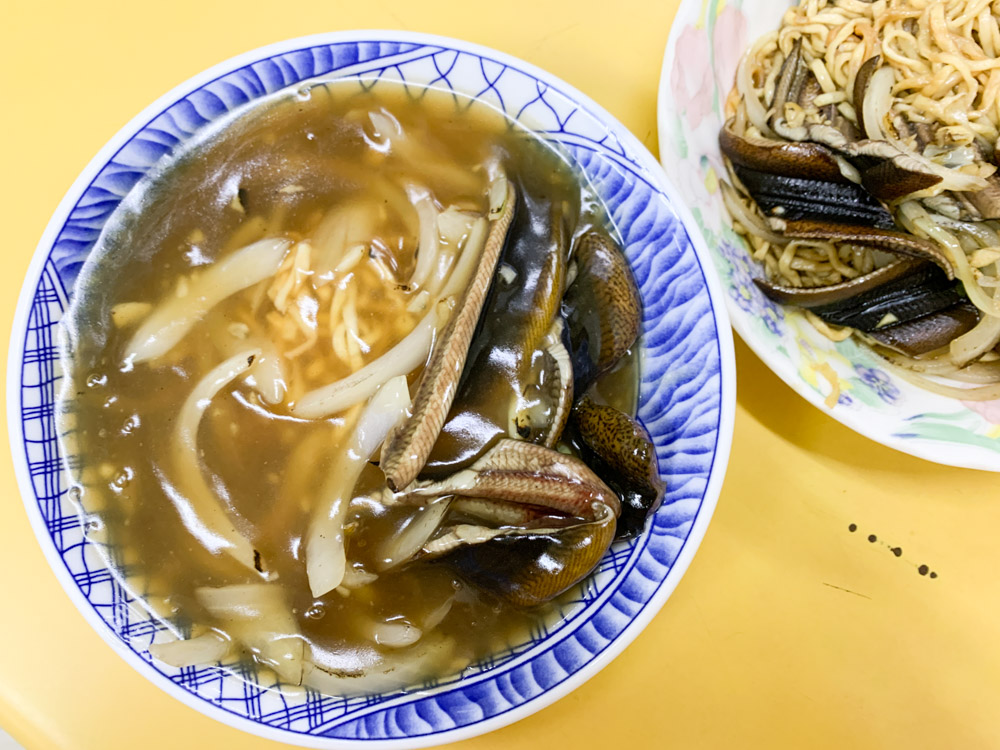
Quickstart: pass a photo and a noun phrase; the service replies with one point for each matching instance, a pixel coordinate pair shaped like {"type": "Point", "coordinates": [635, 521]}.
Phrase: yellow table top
{"type": "Point", "coordinates": [788, 629]}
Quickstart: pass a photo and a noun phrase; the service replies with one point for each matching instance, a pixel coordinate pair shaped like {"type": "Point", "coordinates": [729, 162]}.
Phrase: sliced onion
{"type": "Point", "coordinates": [395, 634]}
{"type": "Point", "coordinates": [346, 226]}
{"type": "Point", "coordinates": [988, 392]}
{"type": "Point", "coordinates": [405, 356]}
{"type": "Point", "coordinates": [415, 533]}
{"type": "Point", "coordinates": [436, 616]}
{"type": "Point", "coordinates": [977, 342]}
{"type": "Point", "coordinates": [756, 112]}
{"type": "Point", "coordinates": [125, 314]}
{"type": "Point", "coordinates": [454, 224]}
{"type": "Point", "coordinates": [984, 256]}
{"type": "Point", "coordinates": [258, 616]}
{"type": "Point", "coordinates": [200, 510]}
{"type": "Point", "coordinates": [208, 648]}
{"type": "Point", "coordinates": [876, 103]}
{"type": "Point", "coordinates": [356, 577]}
{"type": "Point", "coordinates": [467, 261]}
{"type": "Point", "coordinates": [268, 374]}
{"type": "Point", "coordinates": [431, 655]}
{"type": "Point", "coordinates": [386, 126]}
{"type": "Point", "coordinates": [976, 373]}
{"type": "Point", "coordinates": [326, 554]}
{"type": "Point", "coordinates": [497, 195]}
{"type": "Point", "coordinates": [429, 244]}
{"type": "Point", "coordinates": [454, 227]}
{"type": "Point", "coordinates": [738, 210]}
{"type": "Point", "coordinates": [468, 534]}
{"type": "Point", "coordinates": [954, 180]}
{"type": "Point", "coordinates": [392, 139]}
{"type": "Point", "coordinates": [401, 359]}
{"type": "Point", "coordinates": [172, 320]}
{"type": "Point", "coordinates": [917, 221]}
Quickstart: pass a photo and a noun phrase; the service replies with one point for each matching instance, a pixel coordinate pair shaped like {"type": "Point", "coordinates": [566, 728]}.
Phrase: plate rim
{"type": "Point", "coordinates": [36, 268]}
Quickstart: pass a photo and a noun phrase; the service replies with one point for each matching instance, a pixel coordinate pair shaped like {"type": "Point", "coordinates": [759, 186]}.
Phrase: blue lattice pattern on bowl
{"type": "Point", "coordinates": [685, 397]}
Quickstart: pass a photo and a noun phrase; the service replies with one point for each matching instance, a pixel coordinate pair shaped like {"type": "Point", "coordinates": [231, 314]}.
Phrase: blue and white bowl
{"type": "Point", "coordinates": [686, 394]}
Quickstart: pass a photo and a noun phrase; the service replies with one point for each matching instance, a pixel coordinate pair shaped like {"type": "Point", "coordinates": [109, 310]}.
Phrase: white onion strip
{"type": "Point", "coordinates": [918, 222]}
{"type": "Point", "coordinates": [975, 343]}
{"type": "Point", "coordinates": [172, 320]}
{"type": "Point", "coordinates": [208, 648]}
{"type": "Point", "coordinates": [395, 671]}
{"type": "Point", "coordinates": [878, 98]}
{"type": "Point", "coordinates": [258, 616]}
{"type": "Point", "coordinates": [429, 243]}
{"type": "Point", "coordinates": [756, 112]}
{"type": "Point", "coordinates": [268, 373]}
{"type": "Point", "coordinates": [394, 634]}
{"type": "Point", "coordinates": [326, 553]}
{"type": "Point", "coordinates": [416, 532]}
{"type": "Point", "coordinates": [402, 358]}
{"type": "Point", "coordinates": [201, 512]}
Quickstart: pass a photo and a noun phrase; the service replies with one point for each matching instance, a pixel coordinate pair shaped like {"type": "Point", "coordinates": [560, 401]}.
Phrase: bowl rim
{"type": "Point", "coordinates": [700, 522]}
{"type": "Point", "coordinates": [781, 367]}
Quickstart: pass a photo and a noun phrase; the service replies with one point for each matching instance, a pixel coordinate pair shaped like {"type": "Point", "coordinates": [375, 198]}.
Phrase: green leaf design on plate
{"type": "Point", "coordinates": [952, 416]}
{"type": "Point", "coordinates": [864, 393]}
{"type": "Point", "coordinates": [950, 433]}
{"type": "Point", "coordinates": [682, 144]}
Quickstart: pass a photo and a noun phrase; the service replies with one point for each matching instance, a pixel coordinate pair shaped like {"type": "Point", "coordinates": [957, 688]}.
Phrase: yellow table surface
{"type": "Point", "coordinates": [788, 629]}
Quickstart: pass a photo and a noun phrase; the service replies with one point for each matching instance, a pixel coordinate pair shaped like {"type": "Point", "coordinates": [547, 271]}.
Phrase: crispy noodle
{"type": "Point", "coordinates": [938, 70]}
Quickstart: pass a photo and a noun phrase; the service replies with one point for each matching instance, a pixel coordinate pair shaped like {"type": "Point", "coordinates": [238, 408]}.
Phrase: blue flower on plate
{"type": "Point", "coordinates": [879, 382]}
{"type": "Point", "coordinates": [745, 293]}
{"type": "Point", "coordinates": [845, 399]}
{"type": "Point", "coordinates": [773, 317]}
{"type": "Point", "coordinates": [738, 260]}
{"type": "Point", "coordinates": [742, 298]}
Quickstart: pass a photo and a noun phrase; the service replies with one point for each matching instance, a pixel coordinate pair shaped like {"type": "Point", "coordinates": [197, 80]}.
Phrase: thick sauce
{"type": "Point", "coordinates": [282, 171]}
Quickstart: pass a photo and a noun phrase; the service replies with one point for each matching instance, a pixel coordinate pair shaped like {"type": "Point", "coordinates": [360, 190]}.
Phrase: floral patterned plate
{"type": "Point", "coordinates": [844, 379]}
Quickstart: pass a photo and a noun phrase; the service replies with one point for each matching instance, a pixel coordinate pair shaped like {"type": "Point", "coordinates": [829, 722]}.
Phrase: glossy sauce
{"type": "Point", "coordinates": [279, 172]}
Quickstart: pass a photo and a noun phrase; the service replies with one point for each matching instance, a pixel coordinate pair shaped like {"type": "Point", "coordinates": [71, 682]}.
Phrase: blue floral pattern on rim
{"type": "Point", "coordinates": [682, 396]}
{"type": "Point", "coordinates": [879, 382]}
